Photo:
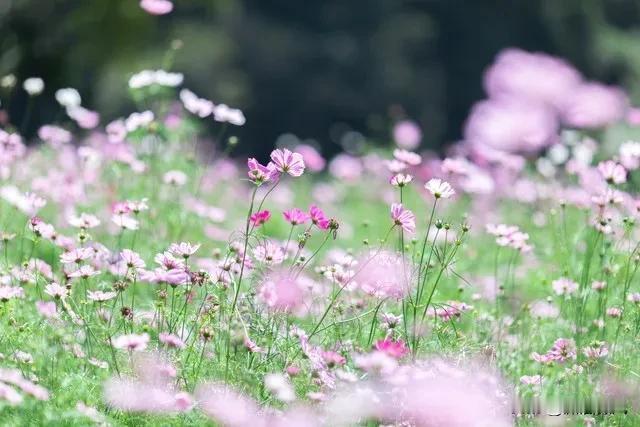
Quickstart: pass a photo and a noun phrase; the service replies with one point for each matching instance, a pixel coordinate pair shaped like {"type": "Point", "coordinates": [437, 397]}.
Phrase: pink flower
{"type": "Point", "coordinates": [395, 349]}
{"type": "Point", "coordinates": [183, 249]}
{"type": "Point", "coordinates": [286, 161]}
{"type": "Point", "coordinates": [86, 119]}
{"type": "Point", "coordinates": [46, 308]}
{"type": "Point", "coordinates": [318, 217]}
{"type": "Point", "coordinates": [403, 217]}
{"type": "Point", "coordinates": [312, 158]}
{"type": "Point", "coordinates": [282, 290]}
{"type": "Point", "coordinates": [131, 342]}
{"type": "Point", "coordinates": [400, 180]}
{"type": "Point", "coordinates": [562, 350]}
{"type": "Point", "coordinates": [156, 7]}
{"type": "Point", "coordinates": [269, 253]}
{"type": "Point", "coordinates": [99, 296]}
{"type": "Point", "coordinates": [407, 157]}
{"type": "Point", "coordinates": [56, 291]}
{"type": "Point", "coordinates": [296, 216]}
{"type": "Point", "coordinates": [332, 358]}
{"type": "Point", "coordinates": [132, 260]}
{"type": "Point", "coordinates": [407, 134]}
{"type": "Point", "coordinates": [613, 172]}
{"type": "Point", "coordinates": [564, 286]}
{"type": "Point", "coordinates": [511, 126]}
{"type": "Point", "coordinates": [171, 340]}
{"type": "Point", "coordinates": [259, 218]}
{"type": "Point", "coordinates": [593, 105]}
{"type": "Point", "coordinates": [531, 76]}
{"type": "Point", "coordinates": [259, 174]}
{"type": "Point", "coordinates": [228, 407]}
{"type": "Point", "coordinates": [383, 274]}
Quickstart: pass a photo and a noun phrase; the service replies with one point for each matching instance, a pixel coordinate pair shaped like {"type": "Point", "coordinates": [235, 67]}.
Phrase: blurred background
{"type": "Point", "coordinates": [331, 71]}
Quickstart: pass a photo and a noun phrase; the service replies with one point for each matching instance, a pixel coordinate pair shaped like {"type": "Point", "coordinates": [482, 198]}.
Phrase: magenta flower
{"type": "Point", "coordinates": [395, 349]}
{"type": "Point", "coordinates": [296, 216]}
{"type": "Point", "coordinates": [259, 174]}
{"type": "Point", "coordinates": [259, 218]}
{"type": "Point", "coordinates": [403, 217]}
{"type": "Point", "coordinates": [318, 217]}
{"type": "Point", "coordinates": [286, 161]}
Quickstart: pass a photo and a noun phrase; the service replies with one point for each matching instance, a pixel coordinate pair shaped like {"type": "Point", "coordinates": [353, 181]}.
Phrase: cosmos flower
{"type": "Point", "coordinates": [439, 188]}
{"type": "Point", "coordinates": [403, 217]}
{"type": "Point", "coordinates": [296, 216]}
{"type": "Point", "coordinates": [286, 161]}
{"type": "Point", "coordinates": [260, 218]}
{"type": "Point", "coordinates": [131, 342]}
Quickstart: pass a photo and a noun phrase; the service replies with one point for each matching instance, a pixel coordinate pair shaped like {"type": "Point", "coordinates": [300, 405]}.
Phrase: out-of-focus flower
{"type": "Point", "coordinates": [407, 134]}
{"type": "Point", "coordinates": [312, 158]}
{"type": "Point", "coordinates": [260, 218]}
{"type": "Point", "coordinates": [156, 7]}
{"type": "Point", "coordinates": [593, 105]}
{"type": "Point", "coordinates": [131, 342]}
{"type": "Point", "coordinates": [33, 86]}
{"type": "Point", "coordinates": [613, 172]}
{"type": "Point", "coordinates": [396, 349]}
{"type": "Point", "coordinates": [68, 97]}
{"type": "Point", "coordinates": [510, 125]}
{"type": "Point", "coordinates": [532, 76]}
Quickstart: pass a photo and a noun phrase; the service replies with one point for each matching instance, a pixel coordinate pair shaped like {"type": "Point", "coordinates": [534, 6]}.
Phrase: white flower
{"type": "Point", "coordinates": [68, 97]}
{"type": "Point", "coordinates": [439, 188]}
{"type": "Point", "coordinates": [33, 86]}
{"type": "Point", "coordinates": [159, 77]}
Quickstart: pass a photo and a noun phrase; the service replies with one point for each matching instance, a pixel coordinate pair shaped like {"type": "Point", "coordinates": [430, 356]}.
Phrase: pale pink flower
{"type": "Point", "coordinates": [86, 119]}
{"type": "Point", "coordinates": [156, 7]}
{"type": "Point", "coordinates": [408, 157]}
{"type": "Point", "coordinates": [280, 387]}
{"type": "Point", "coordinates": [312, 158]}
{"type": "Point", "coordinates": [400, 180]}
{"type": "Point", "coordinates": [564, 286]}
{"type": "Point", "coordinates": [613, 172]}
{"type": "Point", "coordinates": [175, 177]}
{"type": "Point", "coordinates": [125, 222]}
{"type": "Point", "coordinates": [383, 274]}
{"type": "Point", "coordinates": [531, 76]}
{"type": "Point", "coordinates": [614, 312]}
{"type": "Point", "coordinates": [10, 292]}
{"type": "Point", "coordinates": [286, 161]}
{"type": "Point", "coordinates": [47, 309]}
{"type": "Point", "coordinates": [85, 271]}
{"type": "Point", "coordinates": [439, 188]}
{"type": "Point", "coordinates": [594, 105]}
{"type": "Point", "coordinates": [131, 342]}
{"type": "Point", "coordinates": [84, 221]}
{"type": "Point", "coordinates": [183, 249]}
{"type": "Point", "coordinates": [282, 290]}
{"type": "Point", "coordinates": [531, 379]}
{"type": "Point", "coordinates": [228, 407]}
{"type": "Point", "coordinates": [132, 259]}
{"type": "Point", "coordinates": [269, 253]}
{"type": "Point", "coordinates": [55, 290]}
{"type": "Point", "coordinates": [510, 125]}
{"type": "Point", "coordinates": [563, 349]}
{"type": "Point", "coordinates": [403, 217]}
{"type": "Point", "coordinates": [99, 296]}
{"type": "Point", "coordinates": [77, 255]}
{"type": "Point", "coordinates": [407, 134]}
{"type": "Point", "coordinates": [171, 340]}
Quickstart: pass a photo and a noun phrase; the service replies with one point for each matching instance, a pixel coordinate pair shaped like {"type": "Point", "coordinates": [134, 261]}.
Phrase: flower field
{"type": "Point", "coordinates": [151, 276]}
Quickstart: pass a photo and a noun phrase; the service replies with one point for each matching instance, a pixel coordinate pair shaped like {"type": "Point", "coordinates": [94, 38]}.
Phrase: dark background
{"type": "Point", "coordinates": [318, 69]}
